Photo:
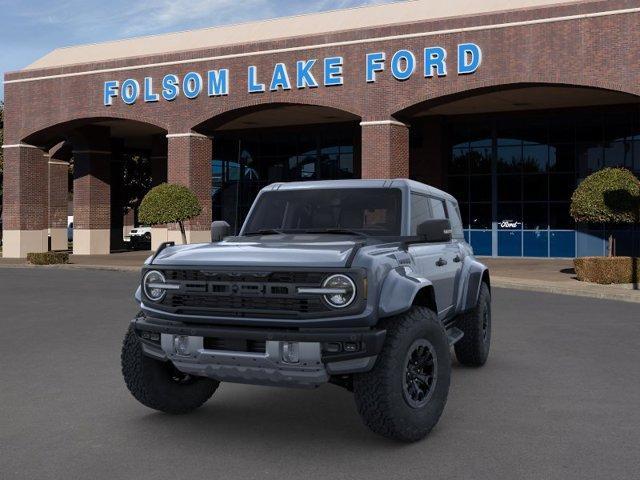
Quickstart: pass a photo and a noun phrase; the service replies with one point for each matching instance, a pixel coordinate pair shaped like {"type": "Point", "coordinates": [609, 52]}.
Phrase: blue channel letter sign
{"type": "Point", "coordinates": [307, 73]}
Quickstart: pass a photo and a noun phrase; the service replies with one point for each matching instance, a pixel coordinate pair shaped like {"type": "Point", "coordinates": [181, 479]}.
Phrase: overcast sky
{"type": "Point", "coordinates": [30, 29]}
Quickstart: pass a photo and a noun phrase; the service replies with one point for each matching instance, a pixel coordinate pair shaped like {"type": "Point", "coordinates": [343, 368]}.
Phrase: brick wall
{"type": "Point", "coordinates": [25, 189]}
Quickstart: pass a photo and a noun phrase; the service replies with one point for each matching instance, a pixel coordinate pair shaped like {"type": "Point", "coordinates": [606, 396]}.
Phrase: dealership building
{"type": "Point", "coordinates": [506, 104]}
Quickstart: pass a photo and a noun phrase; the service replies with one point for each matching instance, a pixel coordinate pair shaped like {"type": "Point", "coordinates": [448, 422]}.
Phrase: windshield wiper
{"type": "Point", "coordinates": [266, 231]}
{"type": "Point", "coordinates": [338, 231]}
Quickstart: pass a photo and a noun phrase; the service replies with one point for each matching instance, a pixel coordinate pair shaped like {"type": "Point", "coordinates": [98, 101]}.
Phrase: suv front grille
{"type": "Point", "coordinates": [248, 294]}
{"type": "Point", "coordinates": [235, 305]}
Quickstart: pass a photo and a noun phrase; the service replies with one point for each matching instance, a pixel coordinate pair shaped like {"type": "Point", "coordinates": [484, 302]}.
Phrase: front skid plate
{"type": "Point", "coordinates": [266, 368]}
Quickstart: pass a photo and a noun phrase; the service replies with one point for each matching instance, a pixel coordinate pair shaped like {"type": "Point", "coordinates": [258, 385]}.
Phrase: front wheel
{"type": "Point", "coordinates": [159, 385]}
{"type": "Point", "coordinates": [403, 396]}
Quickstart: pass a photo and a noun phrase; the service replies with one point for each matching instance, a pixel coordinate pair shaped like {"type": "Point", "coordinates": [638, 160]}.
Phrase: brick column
{"type": "Point", "coordinates": [385, 149]}
{"type": "Point", "coordinates": [189, 164]}
{"type": "Point", "coordinates": [58, 197]}
{"type": "Point", "coordinates": [92, 192]}
{"type": "Point", "coordinates": [25, 215]}
{"type": "Point", "coordinates": [158, 158]}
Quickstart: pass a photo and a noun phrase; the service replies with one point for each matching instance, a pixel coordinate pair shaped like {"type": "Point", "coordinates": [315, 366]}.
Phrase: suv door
{"type": "Point", "coordinates": [434, 261]}
{"type": "Point", "coordinates": [452, 269]}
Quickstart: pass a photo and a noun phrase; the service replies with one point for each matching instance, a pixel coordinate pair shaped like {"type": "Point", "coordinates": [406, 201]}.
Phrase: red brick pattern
{"type": "Point", "coordinates": [189, 164]}
{"type": "Point", "coordinates": [58, 188]}
{"type": "Point", "coordinates": [25, 189]}
{"type": "Point", "coordinates": [91, 190]}
{"type": "Point", "coordinates": [385, 151]}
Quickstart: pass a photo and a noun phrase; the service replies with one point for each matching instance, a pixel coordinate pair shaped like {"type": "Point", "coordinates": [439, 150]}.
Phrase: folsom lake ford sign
{"type": "Point", "coordinates": [309, 73]}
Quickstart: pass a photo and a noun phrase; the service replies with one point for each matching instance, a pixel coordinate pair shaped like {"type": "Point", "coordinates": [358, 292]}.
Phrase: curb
{"type": "Point", "coordinates": [631, 296]}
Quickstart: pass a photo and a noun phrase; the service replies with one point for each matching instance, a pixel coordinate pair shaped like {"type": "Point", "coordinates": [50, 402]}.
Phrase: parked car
{"type": "Point", "coordinates": [140, 237]}
{"type": "Point", "coordinates": [365, 284]}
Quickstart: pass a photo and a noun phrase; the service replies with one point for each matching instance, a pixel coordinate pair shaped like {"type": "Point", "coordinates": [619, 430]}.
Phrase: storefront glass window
{"type": "Point", "coordinates": [514, 174]}
{"type": "Point", "coordinates": [246, 161]}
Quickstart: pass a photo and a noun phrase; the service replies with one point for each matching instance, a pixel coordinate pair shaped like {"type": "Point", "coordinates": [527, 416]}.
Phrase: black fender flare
{"type": "Point", "coordinates": [473, 274]}
{"type": "Point", "coordinates": [399, 291]}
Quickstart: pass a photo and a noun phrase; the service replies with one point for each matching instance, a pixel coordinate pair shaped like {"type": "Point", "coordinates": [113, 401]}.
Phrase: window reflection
{"type": "Point", "coordinates": [246, 161]}
{"type": "Point", "coordinates": [530, 164]}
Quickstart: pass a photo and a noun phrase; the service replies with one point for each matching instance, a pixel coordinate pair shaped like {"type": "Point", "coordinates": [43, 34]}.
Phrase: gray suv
{"type": "Point", "coordinates": [365, 284]}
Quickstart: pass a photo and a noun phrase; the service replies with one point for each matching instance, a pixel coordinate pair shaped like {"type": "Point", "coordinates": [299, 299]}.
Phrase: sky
{"type": "Point", "coordinates": [30, 29]}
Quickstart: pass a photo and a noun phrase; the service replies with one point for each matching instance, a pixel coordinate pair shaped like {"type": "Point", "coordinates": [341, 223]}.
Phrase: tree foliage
{"type": "Point", "coordinates": [169, 203]}
{"type": "Point", "coordinates": [611, 195]}
{"type": "Point", "coordinates": [136, 181]}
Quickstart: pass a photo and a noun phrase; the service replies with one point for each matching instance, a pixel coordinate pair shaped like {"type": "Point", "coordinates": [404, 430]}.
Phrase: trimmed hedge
{"type": "Point", "coordinates": [48, 258]}
{"type": "Point", "coordinates": [168, 203]}
{"type": "Point", "coordinates": [607, 270]}
{"type": "Point", "coordinates": [610, 195]}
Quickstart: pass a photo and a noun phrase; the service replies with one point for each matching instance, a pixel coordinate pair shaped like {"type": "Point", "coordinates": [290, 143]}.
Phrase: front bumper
{"type": "Point", "coordinates": [315, 365]}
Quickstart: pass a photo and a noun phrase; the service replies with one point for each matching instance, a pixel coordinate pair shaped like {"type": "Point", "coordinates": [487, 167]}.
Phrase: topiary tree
{"type": "Point", "coordinates": [169, 203]}
{"type": "Point", "coordinates": [611, 195]}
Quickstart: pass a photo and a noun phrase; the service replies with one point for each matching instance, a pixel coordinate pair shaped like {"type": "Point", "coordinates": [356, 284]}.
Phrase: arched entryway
{"type": "Point", "coordinates": [259, 145]}
{"type": "Point", "coordinates": [513, 155]}
{"type": "Point", "coordinates": [91, 172]}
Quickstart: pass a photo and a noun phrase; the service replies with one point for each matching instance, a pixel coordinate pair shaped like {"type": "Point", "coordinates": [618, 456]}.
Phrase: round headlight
{"type": "Point", "coordinates": [149, 282]}
{"type": "Point", "coordinates": [343, 291]}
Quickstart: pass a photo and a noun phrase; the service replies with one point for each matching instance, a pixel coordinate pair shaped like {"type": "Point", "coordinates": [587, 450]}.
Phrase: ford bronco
{"type": "Point", "coordinates": [365, 284]}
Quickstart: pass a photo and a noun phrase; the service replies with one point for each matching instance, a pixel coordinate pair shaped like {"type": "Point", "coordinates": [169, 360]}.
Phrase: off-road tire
{"type": "Point", "coordinates": [152, 382]}
{"type": "Point", "coordinates": [379, 394]}
{"type": "Point", "coordinates": [472, 349]}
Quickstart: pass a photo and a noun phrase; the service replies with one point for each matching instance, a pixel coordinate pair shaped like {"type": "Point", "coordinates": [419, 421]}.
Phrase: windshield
{"type": "Point", "coordinates": [369, 211]}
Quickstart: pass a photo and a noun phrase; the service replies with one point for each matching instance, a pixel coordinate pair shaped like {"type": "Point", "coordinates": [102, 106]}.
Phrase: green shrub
{"type": "Point", "coordinates": [169, 203]}
{"type": "Point", "coordinates": [607, 270]}
{"type": "Point", "coordinates": [48, 258]}
{"type": "Point", "coordinates": [611, 195]}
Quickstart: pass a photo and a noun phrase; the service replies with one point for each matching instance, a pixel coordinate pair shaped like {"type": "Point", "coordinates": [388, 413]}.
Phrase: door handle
{"type": "Point", "coordinates": [457, 259]}
{"type": "Point", "coordinates": [441, 262]}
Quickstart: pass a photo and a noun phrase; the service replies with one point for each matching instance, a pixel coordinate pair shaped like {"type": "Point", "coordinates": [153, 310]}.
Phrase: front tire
{"type": "Point", "coordinates": [472, 349]}
{"type": "Point", "coordinates": [159, 385]}
{"type": "Point", "coordinates": [403, 396]}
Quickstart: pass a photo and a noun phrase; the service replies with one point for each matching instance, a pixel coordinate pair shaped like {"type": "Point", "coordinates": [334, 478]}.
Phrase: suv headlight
{"type": "Point", "coordinates": [154, 285]}
{"type": "Point", "coordinates": [340, 291]}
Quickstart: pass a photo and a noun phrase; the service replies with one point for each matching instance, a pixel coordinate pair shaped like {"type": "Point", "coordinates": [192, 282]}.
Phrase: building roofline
{"type": "Point", "coordinates": [309, 24]}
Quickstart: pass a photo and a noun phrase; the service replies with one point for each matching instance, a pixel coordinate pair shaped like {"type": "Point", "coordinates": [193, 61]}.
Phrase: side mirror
{"type": "Point", "coordinates": [435, 230]}
{"type": "Point", "coordinates": [219, 230]}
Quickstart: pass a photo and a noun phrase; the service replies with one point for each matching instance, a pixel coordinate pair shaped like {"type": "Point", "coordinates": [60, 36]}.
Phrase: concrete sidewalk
{"type": "Point", "coordinates": [553, 276]}
{"type": "Point", "coordinates": [539, 275]}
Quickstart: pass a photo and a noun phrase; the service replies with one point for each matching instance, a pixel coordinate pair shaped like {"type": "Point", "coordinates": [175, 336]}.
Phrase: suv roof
{"type": "Point", "coordinates": [402, 183]}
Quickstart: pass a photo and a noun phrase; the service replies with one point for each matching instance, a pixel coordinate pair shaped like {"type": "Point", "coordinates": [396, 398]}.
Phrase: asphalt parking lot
{"type": "Point", "coordinates": [559, 398]}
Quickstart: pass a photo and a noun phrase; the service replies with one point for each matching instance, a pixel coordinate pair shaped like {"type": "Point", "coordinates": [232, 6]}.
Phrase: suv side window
{"type": "Point", "coordinates": [438, 207]}
{"type": "Point", "coordinates": [420, 211]}
{"type": "Point", "coordinates": [456, 222]}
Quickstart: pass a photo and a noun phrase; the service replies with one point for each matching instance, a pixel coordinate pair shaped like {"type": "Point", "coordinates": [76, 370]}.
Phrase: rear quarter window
{"type": "Point", "coordinates": [456, 222]}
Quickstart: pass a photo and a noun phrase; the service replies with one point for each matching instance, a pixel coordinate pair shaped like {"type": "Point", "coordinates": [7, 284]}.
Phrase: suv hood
{"type": "Point", "coordinates": [331, 251]}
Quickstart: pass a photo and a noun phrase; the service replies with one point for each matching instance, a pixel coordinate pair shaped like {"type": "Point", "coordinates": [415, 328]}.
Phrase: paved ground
{"type": "Point", "coordinates": [558, 399]}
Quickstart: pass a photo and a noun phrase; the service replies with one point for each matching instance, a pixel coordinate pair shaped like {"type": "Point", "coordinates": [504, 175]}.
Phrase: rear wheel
{"type": "Point", "coordinates": [473, 348]}
{"type": "Point", "coordinates": [403, 396]}
{"type": "Point", "coordinates": [159, 385]}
